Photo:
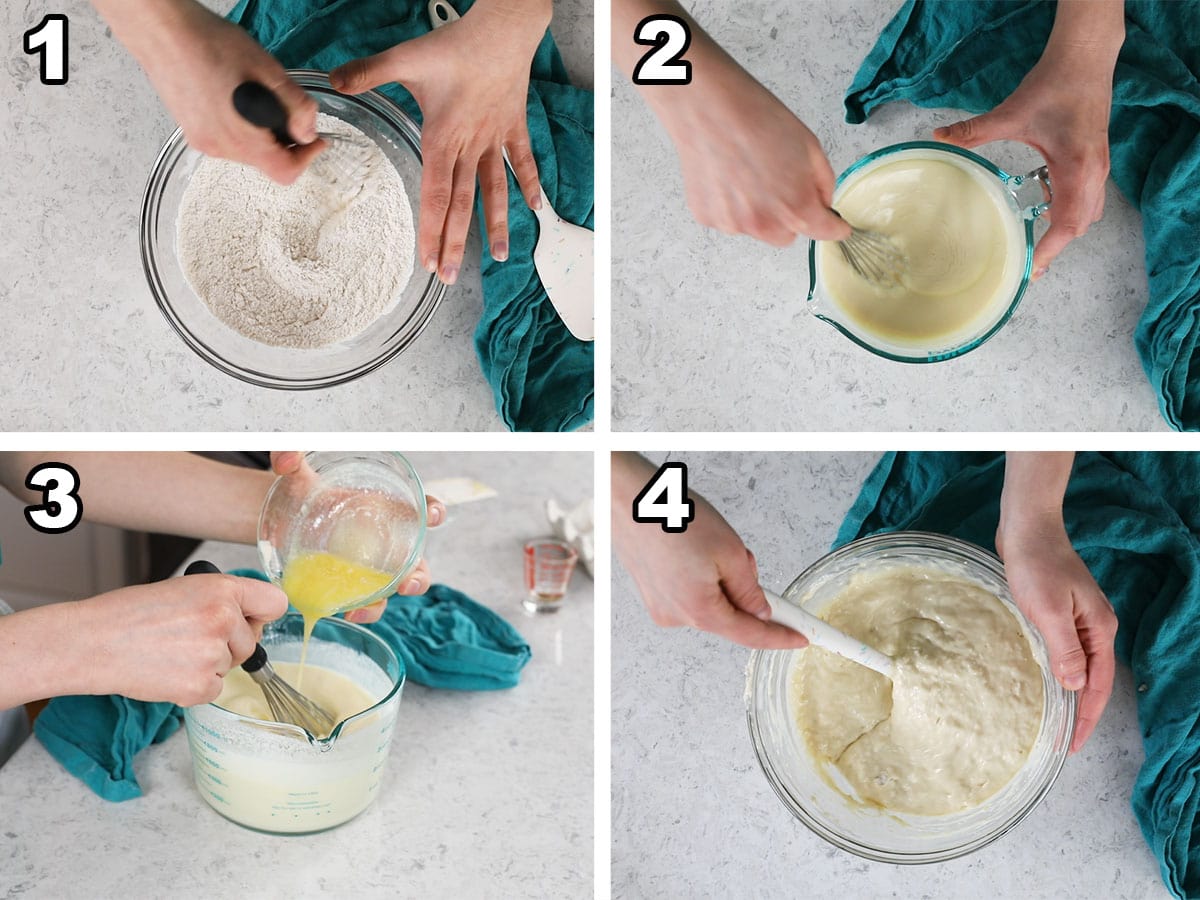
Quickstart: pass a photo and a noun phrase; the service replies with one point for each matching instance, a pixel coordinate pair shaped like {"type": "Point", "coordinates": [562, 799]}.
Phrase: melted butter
{"type": "Point", "coordinates": [964, 250]}
{"type": "Point", "coordinates": [962, 714]}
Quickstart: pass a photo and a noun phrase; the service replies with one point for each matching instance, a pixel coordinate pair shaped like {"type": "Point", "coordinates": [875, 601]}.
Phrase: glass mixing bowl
{"type": "Point", "coordinates": [870, 832]}
{"type": "Point", "coordinates": [282, 367]}
{"type": "Point", "coordinates": [279, 778]}
{"type": "Point", "coordinates": [365, 508]}
{"type": "Point", "coordinates": [1024, 197]}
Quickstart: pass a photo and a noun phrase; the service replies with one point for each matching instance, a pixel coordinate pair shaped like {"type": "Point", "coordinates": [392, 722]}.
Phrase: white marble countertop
{"type": "Point", "coordinates": [692, 813]}
{"type": "Point", "coordinates": [486, 794]}
{"type": "Point", "coordinates": [711, 333]}
{"type": "Point", "coordinates": [80, 324]}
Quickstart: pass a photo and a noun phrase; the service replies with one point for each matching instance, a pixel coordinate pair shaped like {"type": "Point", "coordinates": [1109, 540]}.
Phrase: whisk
{"type": "Point", "coordinates": [875, 257]}
{"type": "Point", "coordinates": [287, 705]}
{"type": "Point", "coordinates": [347, 163]}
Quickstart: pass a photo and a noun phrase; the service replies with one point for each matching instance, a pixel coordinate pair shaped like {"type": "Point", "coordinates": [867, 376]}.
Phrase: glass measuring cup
{"type": "Point", "coordinates": [363, 513]}
{"type": "Point", "coordinates": [280, 778]}
{"type": "Point", "coordinates": [1022, 198]}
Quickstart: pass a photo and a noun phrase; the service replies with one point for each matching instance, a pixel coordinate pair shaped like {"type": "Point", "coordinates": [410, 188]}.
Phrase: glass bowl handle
{"type": "Point", "coordinates": [1022, 186]}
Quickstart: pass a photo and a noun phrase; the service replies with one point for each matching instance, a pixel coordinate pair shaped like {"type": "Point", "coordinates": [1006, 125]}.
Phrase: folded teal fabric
{"type": "Point", "coordinates": [1134, 518]}
{"type": "Point", "coordinates": [541, 376]}
{"type": "Point", "coordinates": [971, 56]}
{"type": "Point", "coordinates": [445, 639]}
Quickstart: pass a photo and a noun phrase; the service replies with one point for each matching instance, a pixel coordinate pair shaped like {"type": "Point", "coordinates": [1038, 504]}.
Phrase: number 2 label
{"type": "Point", "coordinates": [49, 39]}
{"type": "Point", "coordinates": [664, 499]}
{"type": "Point", "coordinates": [670, 37]}
{"type": "Point", "coordinates": [61, 507]}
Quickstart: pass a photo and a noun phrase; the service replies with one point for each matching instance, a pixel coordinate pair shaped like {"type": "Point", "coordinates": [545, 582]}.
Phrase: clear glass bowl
{"type": "Point", "coordinates": [1025, 197]}
{"type": "Point", "coordinates": [869, 832]}
{"type": "Point", "coordinates": [281, 367]}
{"type": "Point", "coordinates": [367, 508]}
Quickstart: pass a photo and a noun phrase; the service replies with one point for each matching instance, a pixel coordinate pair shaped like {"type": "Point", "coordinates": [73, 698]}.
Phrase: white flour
{"type": "Point", "coordinates": [273, 263]}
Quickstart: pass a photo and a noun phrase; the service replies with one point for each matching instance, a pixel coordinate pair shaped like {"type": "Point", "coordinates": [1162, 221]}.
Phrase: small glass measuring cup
{"type": "Point", "coordinates": [548, 567]}
{"type": "Point", "coordinates": [1025, 197]}
{"type": "Point", "coordinates": [280, 778]}
{"type": "Point", "coordinates": [365, 508]}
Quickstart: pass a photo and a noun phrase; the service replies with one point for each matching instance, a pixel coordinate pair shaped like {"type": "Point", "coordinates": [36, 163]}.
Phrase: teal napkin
{"type": "Point", "coordinates": [1134, 518]}
{"type": "Point", "coordinates": [445, 639]}
{"type": "Point", "coordinates": [972, 55]}
{"type": "Point", "coordinates": [541, 376]}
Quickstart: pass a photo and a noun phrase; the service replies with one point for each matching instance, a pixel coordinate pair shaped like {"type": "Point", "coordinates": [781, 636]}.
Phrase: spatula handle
{"type": "Point", "coordinates": [821, 633]}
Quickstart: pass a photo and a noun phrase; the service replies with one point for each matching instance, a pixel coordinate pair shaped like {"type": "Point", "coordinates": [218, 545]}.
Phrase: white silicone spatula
{"type": "Point", "coordinates": [822, 634]}
{"type": "Point", "coordinates": [563, 255]}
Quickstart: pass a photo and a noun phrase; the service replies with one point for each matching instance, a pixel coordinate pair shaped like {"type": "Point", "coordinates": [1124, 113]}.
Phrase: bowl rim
{"type": "Point", "coordinates": [420, 316]}
{"type": "Point", "coordinates": [759, 658]}
{"type": "Point", "coordinates": [941, 355]}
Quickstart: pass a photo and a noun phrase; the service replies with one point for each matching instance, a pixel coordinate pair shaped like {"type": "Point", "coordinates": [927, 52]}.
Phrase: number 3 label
{"type": "Point", "coordinates": [61, 507]}
{"type": "Point", "coordinates": [670, 37]}
{"type": "Point", "coordinates": [664, 499]}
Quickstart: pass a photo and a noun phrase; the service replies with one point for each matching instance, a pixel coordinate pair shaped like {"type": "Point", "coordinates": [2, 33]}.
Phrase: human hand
{"type": "Point", "coordinates": [1053, 587]}
{"type": "Point", "coordinates": [172, 641]}
{"type": "Point", "coordinates": [1061, 109]}
{"type": "Point", "coordinates": [195, 60]}
{"type": "Point", "coordinates": [292, 464]}
{"type": "Point", "coordinates": [471, 79]}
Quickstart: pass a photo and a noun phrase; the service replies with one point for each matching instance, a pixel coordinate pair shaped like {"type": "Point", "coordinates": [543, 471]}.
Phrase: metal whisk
{"type": "Point", "coordinates": [347, 163]}
{"type": "Point", "coordinates": [287, 704]}
{"type": "Point", "coordinates": [875, 257]}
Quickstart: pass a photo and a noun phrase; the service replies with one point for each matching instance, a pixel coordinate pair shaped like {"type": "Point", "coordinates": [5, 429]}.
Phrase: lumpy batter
{"type": "Point", "coordinates": [962, 713]}
{"type": "Point", "coordinates": [962, 249]}
{"type": "Point", "coordinates": [330, 690]}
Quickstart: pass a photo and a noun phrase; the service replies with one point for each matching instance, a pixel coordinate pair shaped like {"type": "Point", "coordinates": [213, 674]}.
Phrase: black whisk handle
{"type": "Point", "coordinates": [257, 660]}
{"type": "Point", "coordinates": [201, 567]}
{"type": "Point", "coordinates": [258, 105]}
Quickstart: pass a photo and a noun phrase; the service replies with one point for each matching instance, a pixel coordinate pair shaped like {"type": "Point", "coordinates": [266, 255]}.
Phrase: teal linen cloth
{"type": "Point", "coordinates": [445, 639]}
{"type": "Point", "coordinates": [541, 376]}
{"type": "Point", "coordinates": [1135, 520]}
{"type": "Point", "coordinates": [971, 56]}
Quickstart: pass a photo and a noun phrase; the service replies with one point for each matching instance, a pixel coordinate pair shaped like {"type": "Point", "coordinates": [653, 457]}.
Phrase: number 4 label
{"type": "Point", "coordinates": [670, 37]}
{"type": "Point", "coordinates": [49, 39]}
{"type": "Point", "coordinates": [664, 499]}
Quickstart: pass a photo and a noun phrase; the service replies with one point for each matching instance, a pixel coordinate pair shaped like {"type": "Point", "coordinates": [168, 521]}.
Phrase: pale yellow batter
{"type": "Point", "coordinates": [965, 253]}
{"type": "Point", "coordinates": [330, 690]}
{"type": "Point", "coordinates": [962, 714]}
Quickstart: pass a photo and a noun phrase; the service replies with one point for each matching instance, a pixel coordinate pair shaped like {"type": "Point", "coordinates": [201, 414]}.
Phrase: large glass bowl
{"type": "Point", "coordinates": [1023, 198]}
{"type": "Point", "coordinates": [282, 367]}
{"type": "Point", "coordinates": [365, 508]}
{"type": "Point", "coordinates": [873, 833]}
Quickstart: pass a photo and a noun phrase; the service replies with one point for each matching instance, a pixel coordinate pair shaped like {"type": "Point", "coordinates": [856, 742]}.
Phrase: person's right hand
{"type": "Point", "coordinates": [174, 640]}
{"type": "Point", "coordinates": [195, 61]}
{"type": "Point", "coordinates": [704, 577]}
{"type": "Point", "coordinates": [749, 165]}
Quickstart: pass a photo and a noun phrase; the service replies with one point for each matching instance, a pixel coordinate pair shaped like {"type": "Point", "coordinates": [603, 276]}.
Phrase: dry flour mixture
{"type": "Point", "coordinates": [297, 266]}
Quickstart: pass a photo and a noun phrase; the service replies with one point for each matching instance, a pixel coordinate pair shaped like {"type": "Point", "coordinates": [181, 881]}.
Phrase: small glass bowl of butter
{"type": "Point", "coordinates": [343, 532]}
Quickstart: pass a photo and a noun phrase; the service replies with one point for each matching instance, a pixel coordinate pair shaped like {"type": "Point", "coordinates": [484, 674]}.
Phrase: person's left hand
{"type": "Point", "coordinates": [1061, 109]}
{"type": "Point", "coordinates": [1054, 588]}
{"type": "Point", "coordinates": [291, 464]}
{"type": "Point", "coordinates": [471, 80]}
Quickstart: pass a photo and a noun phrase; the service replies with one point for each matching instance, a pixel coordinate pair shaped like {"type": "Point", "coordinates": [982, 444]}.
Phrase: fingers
{"type": "Point", "coordinates": [367, 614]}
{"type": "Point", "coordinates": [417, 582]}
{"type": "Point", "coordinates": [458, 220]}
{"type": "Point", "coordinates": [1068, 662]}
{"type": "Point", "coordinates": [435, 511]}
{"type": "Point", "coordinates": [284, 165]}
{"type": "Point", "coordinates": [1099, 633]}
{"type": "Point", "coordinates": [493, 187]}
{"type": "Point", "coordinates": [368, 72]}
{"type": "Point", "coordinates": [521, 158]}
{"type": "Point", "coordinates": [259, 601]}
{"type": "Point", "coordinates": [1078, 202]}
{"type": "Point", "coordinates": [437, 185]}
{"type": "Point", "coordinates": [970, 133]}
{"type": "Point", "coordinates": [745, 618]}
{"type": "Point", "coordinates": [286, 462]}
{"type": "Point", "coordinates": [301, 108]}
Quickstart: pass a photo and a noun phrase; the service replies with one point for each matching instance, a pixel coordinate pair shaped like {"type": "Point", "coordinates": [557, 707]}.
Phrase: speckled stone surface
{"type": "Point", "coordinates": [80, 324]}
{"type": "Point", "coordinates": [692, 813]}
{"type": "Point", "coordinates": [486, 794]}
{"type": "Point", "coordinates": [711, 332]}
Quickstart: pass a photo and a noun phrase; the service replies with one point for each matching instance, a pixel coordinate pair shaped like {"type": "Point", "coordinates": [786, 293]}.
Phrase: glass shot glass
{"type": "Point", "coordinates": [548, 568]}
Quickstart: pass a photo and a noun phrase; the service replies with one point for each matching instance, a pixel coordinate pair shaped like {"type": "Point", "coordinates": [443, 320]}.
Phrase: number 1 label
{"type": "Point", "coordinates": [49, 39]}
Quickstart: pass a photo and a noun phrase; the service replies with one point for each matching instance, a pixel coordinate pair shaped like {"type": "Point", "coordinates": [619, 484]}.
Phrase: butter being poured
{"type": "Point", "coordinates": [964, 250]}
{"type": "Point", "coordinates": [322, 584]}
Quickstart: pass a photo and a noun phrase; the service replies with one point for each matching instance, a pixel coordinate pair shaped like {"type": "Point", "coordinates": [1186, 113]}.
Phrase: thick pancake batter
{"type": "Point", "coordinates": [963, 712]}
{"type": "Point", "coordinates": [964, 253]}
{"type": "Point", "coordinates": [330, 690]}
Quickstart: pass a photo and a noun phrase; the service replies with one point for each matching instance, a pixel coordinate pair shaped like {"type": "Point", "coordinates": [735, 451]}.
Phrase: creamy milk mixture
{"type": "Point", "coordinates": [330, 690]}
{"type": "Point", "coordinates": [963, 251]}
{"type": "Point", "coordinates": [963, 712]}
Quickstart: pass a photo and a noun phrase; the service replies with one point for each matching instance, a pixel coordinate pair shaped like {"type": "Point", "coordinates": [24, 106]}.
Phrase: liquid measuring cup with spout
{"type": "Point", "coordinates": [280, 778]}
